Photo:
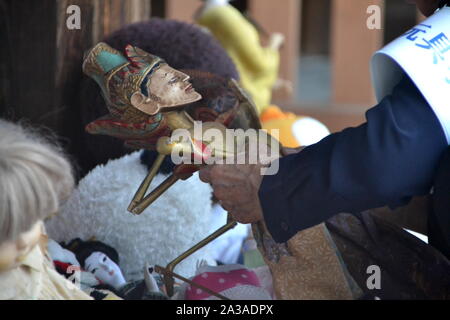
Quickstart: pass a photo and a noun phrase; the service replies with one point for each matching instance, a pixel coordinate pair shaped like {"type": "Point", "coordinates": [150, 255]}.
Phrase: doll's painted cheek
{"type": "Point", "coordinates": [158, 87]}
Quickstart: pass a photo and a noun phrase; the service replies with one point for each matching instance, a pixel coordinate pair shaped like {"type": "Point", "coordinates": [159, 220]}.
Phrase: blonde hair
{"type": "Point", "coordinates": [34, 177]}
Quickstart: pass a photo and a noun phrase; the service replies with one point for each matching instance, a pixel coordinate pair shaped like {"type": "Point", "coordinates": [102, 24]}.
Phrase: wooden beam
{"type": "Point", "coordinates": [138, 10]}
{"type": "Point", "coordinates": [352, 47]}
{"type": "Point", "coordinates": [284, 17]}
{"type": "Point", "coordinates": [41, 59]}
{"type": "Point", "coordinates": [99, 18]}
{"type": "Point", "coordinates": [29, 44]}
{"type": "Point", "coordinates": [315, 28]}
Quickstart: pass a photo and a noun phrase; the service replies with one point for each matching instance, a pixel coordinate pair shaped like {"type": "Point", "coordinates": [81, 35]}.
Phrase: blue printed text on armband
{"type": "Point", "coordinates": [439, 45]}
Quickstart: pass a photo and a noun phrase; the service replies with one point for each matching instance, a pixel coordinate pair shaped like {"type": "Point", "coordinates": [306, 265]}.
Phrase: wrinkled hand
{"type": "Point", "coordinates": [236, 187]}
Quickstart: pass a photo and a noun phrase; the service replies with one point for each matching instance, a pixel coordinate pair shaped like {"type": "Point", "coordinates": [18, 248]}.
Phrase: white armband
{"type": "Point", "coordinates": [423, 53]}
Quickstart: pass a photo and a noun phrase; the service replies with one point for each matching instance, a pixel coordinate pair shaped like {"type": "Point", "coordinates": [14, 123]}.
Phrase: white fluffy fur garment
{"type": "Point", "coordinates": [177, 220]}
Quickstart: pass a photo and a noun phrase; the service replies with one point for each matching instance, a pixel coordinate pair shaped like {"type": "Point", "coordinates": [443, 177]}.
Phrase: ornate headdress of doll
{"type": "Point", "coordinates": [125, 81]}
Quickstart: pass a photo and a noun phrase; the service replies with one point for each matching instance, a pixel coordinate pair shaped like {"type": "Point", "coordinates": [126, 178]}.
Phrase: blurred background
{"type": "Point", "coordinates": [325, 56]}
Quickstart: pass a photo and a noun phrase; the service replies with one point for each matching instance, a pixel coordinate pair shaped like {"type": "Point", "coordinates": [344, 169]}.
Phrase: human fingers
{"type": "Point", "coordinates": [230, 193]}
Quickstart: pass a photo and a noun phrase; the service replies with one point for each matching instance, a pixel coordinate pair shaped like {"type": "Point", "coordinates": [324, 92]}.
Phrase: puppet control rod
{"type": "Point", "coordinates": [140, 202]}
{"type": "Point", "coordinates": [168, 279]}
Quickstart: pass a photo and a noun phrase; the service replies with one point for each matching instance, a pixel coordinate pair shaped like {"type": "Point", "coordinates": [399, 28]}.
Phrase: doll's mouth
{"type": "Point", "coordinates": [189, 88]}
{"type": "Point", "coordinates": [111, 273]}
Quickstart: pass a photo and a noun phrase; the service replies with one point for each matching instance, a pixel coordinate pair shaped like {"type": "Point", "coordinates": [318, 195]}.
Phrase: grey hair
{"type": "Point", "coordinates": [35, 177]}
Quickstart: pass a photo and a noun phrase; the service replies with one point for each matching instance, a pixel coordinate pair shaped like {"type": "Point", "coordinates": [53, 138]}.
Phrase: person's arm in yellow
{"type": "Point", "coordinates": [257, 65]}
{"type": "Point", "coordinates": [240, 37]}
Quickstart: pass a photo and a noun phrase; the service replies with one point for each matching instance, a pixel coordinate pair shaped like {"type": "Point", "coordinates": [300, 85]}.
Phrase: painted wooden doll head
{"type": "Point", "coordinates": [137, 84]}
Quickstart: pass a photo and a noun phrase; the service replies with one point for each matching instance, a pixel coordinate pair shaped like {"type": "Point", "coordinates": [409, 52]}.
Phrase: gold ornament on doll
{"type": "Point", "coordinates": [139, 84]}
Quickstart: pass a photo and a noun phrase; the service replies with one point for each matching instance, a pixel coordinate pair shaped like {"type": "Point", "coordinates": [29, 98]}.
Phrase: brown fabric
{"type": "Point", "coordinates": [307, 267]}
{"type": "Point", "coordinates": [410, 268]}
{"type": "Point", "coordinates": [413, 216]}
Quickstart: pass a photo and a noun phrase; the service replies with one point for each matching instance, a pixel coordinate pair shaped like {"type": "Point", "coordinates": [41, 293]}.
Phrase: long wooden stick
{"type": "Point", "coordinates": [140, 193]}
{"type": "Point", "coordinates": [171, 266]}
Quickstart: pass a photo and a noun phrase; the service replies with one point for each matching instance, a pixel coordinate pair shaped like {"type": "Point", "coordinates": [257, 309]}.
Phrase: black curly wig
{"type": "Point", "coordinates": [182, 45]}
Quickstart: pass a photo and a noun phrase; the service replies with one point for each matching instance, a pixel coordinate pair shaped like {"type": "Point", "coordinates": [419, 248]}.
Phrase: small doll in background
{"type": "Point", "coordinates": [99, 259]}
{"type": "Point", "coordinates": [35, 179]}
{"type": "Point", "coordinates": [102, 261]}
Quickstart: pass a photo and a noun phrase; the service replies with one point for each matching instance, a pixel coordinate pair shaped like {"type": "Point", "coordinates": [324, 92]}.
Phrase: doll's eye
{"type": "Point", "coordinates": [94, 270]}
{"type": "Point", "coordinates": [104, 259]}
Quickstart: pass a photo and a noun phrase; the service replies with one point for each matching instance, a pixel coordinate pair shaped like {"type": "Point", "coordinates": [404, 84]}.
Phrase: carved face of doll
{"type": "Point", "coordinates": [104, 269]}
{"type": "Point", "coordinates": [164, 88]}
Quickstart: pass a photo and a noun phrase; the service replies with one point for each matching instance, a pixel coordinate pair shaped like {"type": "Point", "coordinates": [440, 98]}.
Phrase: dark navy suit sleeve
{"type": "Point", "coordinates": [385, 161]}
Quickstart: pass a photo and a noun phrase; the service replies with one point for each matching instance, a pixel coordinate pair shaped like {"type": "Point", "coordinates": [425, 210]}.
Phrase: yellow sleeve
{"type": "Point", "coordinates": [239, 36]}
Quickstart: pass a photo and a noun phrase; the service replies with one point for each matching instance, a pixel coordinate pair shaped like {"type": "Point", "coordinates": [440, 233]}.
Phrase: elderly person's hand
{"type": "Point", "coordinates": [236, 186]}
